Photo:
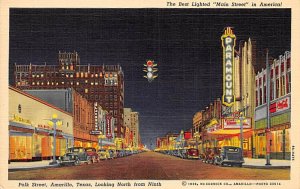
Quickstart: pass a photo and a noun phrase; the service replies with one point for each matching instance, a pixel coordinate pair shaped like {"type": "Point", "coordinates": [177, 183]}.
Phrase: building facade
{"type": "Point", "coordinates": [30, 133]}
{"type": "Point", "coordinates": [280, 109]}
{"type": "Point", "coordinates": [97, 83]}
{"type": "Point", "coordinates": [80, 108]}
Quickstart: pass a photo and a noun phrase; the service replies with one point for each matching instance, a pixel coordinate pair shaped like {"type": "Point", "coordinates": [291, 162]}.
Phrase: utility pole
{"type": "Point", "coordinates": [268, 109]}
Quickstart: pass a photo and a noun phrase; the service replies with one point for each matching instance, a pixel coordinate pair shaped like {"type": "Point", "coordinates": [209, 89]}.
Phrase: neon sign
{"type": "Point", "coordinates": [228, 44]}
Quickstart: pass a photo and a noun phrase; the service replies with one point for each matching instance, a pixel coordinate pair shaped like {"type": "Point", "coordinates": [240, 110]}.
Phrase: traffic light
{"type": "Point", "coordinates": [150, 69]}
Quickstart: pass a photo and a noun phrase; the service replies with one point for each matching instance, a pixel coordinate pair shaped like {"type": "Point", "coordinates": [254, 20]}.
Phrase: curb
{"type": "Point", "coordinates": [266, 167]}
{"type": "Point", "coordinates": [30, 168]}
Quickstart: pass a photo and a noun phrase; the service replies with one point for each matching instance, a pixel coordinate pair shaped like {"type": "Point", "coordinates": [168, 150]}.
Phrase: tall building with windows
{"type": "Point", "coordinates": [280, 109]}
{"type": "Point", "coordinates": [97, 83]}
{"type": "Point", "coordinates": [131, 120]}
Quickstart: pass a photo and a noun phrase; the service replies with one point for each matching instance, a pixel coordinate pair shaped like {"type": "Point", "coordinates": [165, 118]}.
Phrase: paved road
{"type": "Point", "coordinates": [150, 165]}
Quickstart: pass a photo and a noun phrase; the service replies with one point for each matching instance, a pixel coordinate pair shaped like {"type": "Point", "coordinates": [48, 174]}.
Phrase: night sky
{"type": "Point", "coordinates": [184, 42]}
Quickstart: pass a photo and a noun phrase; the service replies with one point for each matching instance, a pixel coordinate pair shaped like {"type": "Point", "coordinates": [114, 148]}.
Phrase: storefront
{"type": "Point", "coordinates": [30, 134]}
{"type": "Point", "coordinates": [226, 132]}
{"type": "Point", "coordinates": [280, 125]}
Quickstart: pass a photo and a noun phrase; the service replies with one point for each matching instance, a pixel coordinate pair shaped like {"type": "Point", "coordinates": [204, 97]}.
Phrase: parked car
{"type": "Point", "coordinates": [230, 155]}
{"type": "Point", "coordinates": [92, 153]}
{"type": "Point", "coordinates": [120, 153]}
{"type": "Point", "coordinates": [182, 153]}
{"type": "Point", "coordinates": [103, 154]}
{"type": "Point", "coordinates": [75, 156]}
{"type": "Point", "coordinates": [112, 153]}
{"type": "Point", "coordinates": [192, 153]}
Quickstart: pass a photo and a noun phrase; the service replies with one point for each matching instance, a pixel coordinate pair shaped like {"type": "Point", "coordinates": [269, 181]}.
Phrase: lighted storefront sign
{"type": "Point", "coordinates": [280, 105]}
{"type": "Point", "coordinates": [96, 115]}
{"type": "Point", "coordinates": [108, 126]}
{"type": "Point", "coordinates": [228, 44]}
{"type": "Point", "coordinates": [187, 135]}
{"type": "Point", "coordinates": [214, 128]}
{"type": "Point", "coordinates": [19, 119]}
{"type": "Point", "coordinates": [233, 123]}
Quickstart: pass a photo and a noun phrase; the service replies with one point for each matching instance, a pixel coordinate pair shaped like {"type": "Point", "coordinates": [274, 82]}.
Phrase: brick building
{"type": "Point", "coordinates": [97, 83]}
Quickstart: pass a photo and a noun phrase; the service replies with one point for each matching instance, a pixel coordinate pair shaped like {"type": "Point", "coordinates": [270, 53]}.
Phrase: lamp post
{"type": "Point", "coordinates": [268, 109]}
{"type": "Point", "coordinates": [54, 121]}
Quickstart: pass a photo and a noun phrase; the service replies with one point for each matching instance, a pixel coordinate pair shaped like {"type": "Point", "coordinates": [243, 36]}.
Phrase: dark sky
{"type": "Point", "coordinates": [184, 42]}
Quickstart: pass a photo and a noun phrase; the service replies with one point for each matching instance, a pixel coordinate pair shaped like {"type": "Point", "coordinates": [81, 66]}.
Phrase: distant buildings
{"type": "Point", "coordinates": [131, 120]}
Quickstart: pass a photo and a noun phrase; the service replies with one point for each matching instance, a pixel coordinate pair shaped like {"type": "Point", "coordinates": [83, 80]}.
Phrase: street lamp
{"type": "Point", "coordinates": [268, 109]}
{"type": "Point", "coordinates": [101, 137]}
{"type": "Point", "coordinates": [54, 122]}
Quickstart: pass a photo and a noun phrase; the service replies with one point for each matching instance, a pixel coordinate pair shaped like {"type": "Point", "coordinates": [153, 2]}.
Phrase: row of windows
{"type": "Point", "coordinates": [278, 87]}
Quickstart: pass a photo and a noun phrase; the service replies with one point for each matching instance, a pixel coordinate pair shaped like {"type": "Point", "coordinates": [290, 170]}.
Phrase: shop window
{"type": "Point", "coordinates": [86, 74]}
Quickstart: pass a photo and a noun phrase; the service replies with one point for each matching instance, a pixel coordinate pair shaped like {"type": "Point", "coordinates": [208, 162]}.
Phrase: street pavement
{"type": "Point", "coordinates": [150, 165]}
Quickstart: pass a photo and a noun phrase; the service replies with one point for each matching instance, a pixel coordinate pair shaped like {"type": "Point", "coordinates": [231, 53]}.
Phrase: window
{"type": "Point", "coordinates": [272, 90]}
{"type": "Point", "coordinates": [256, 98]}
{"type": "Point", "coordinates": [260, 96]}
{"type": "Point", "coordinates": [277, 88]}
{"type": "Point", "coordinates": [288, 85]}
{"type": "Point", "coordinates": [265, 94]}
{"type": "Point", "coordinates": [283, 87]}
{"type": "Point", "coordinates": [282, 68]}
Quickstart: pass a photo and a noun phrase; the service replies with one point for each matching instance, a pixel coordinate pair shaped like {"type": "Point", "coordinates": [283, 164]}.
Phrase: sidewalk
{"type": "Point", "coordinates": [17, 166]}
{"type": "Point", "coordinates": [260, 163]}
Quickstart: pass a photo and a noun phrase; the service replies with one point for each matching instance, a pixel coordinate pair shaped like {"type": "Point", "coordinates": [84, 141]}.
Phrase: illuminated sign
{"type": "Point", "coordinates": [19, 119]}
{"type": "Point", "coordinates": [228, 44]}
{"type": "Point", "coordinates": [213, 128]}
{"type": "Point", "coordinates": [233, 123]}
{"type": "Point", "coordinates": [96, 115]}
{"type": "Point", "coordinates": [280, 105]}
{"type": "Point", "coordinates": [108, 126]}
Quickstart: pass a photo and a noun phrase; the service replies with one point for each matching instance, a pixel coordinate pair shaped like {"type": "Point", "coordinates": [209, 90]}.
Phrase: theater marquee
{"type": "Point", "coordinates": [228, 44]}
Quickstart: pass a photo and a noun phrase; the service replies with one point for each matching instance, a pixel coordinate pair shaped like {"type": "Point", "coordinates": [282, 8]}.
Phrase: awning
{"type": "Point", "coordinates": [228, 131]}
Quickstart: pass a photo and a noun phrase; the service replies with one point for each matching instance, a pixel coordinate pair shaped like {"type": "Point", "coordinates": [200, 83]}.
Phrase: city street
{"type": "Point", "coordinates": [149, 165]}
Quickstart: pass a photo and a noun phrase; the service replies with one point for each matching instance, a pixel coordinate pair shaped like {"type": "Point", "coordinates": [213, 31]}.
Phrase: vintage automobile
{"type": "Point", "coordinates": [75, 156]}
{"type": "Point", "coordinates": [92, 153]}
{"type": "Point", "coordinates": [192, 153]}
{"type": "Point", "coordinates": [231, 156]}
{"type": "Point", "coordinates": [103, 154]}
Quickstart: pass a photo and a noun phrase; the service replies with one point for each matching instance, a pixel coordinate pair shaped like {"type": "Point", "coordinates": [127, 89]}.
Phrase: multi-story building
{"type": "Point", "coordinates": [81, 109]}
{"type": "Point", "coordinates": [131, 120]}
{"type": "Point", "coordinates": [97, 83]}
{"type": "Point", "coordinates": [221, 123]}
{"type": "Point", "coordinates": [280, 109]}
{"type": "Point", "coordinates": [30, 128]}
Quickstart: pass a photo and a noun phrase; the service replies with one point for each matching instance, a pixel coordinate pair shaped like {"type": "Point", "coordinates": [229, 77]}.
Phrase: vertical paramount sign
{"type": "Point", "coordinates": [228, 44]}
